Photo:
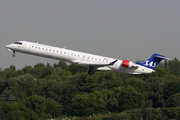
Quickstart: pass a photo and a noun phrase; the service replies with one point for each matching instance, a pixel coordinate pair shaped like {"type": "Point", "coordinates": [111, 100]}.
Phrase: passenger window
{"type": "Point", "coordinates": [71, 53]}
{"type": "Point", "coordinates": [49, 49]}
{"type": "Point", "coordinates": [32, 46]}
{"type": "Point", "coordinates": [42, 48]}
{"type": "Point", "coordinates": [57, 51]}
{"type": "Point", "coordinates": [53, 50]}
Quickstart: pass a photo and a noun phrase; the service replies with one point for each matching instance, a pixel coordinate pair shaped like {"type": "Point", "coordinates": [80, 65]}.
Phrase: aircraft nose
{"type": "Point", "coordinates": [8, 46]}
{"type": "Point", "coordinates": [153, 71]}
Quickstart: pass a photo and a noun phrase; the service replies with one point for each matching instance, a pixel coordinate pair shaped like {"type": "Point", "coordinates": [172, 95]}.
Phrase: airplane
{"type": "Point", "coordinates": [90, 61]}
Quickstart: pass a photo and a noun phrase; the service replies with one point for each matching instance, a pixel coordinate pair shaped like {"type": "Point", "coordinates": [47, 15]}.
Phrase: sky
{"type": "Point", "coordinates": [120, 29]}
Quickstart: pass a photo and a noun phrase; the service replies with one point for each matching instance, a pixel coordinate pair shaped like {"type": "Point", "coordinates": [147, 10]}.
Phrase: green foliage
{"type": "Point", "coordinates": [45, 92]}
{"type": "Point", "coordinates": [87, 104]}
{"type": "Point", "coordinates": [129, 99]}
{"type": "Point", "coordinates": [1, 69]}
{"type": "Point", "coordinates": [52, 89]}
{"type": "Point", "coordinates": [9, 73]}
{"type": "Point", "coordinates": [54, 108]}
{"type": "Point", "coordinates": [39, 65]}
{"type": "Point", "coordinates": [38, 71]}
{"type": "Point", "coordinates": [23, 85]}
{"type": "Point", "coordinates": [172, 87]}
{"type": "Point", "coordinates": [27, 69]}
{"type": "Point", "coordinates": [46, 73]}
{"type": "Point", "coordinates": [38, 104]}
{"type": "Point", "coordinates": [139, 85]}
{"type": "Point", "coordinates": [64, 74]}
{"type": "Point", "coordinates": [16, 111]}
{"type": "Point", "coordinates": [8, 96]}
{"type": "Point", "coordinates": [12, 67]}
{"type": "Point", "coordinates": [63, 65]}
{"type": "Point", "coordinates": [173, 66]}
{"type": "Point", "coordinates": [147, 114]}
{"type": "Point", "coordinates": [174, 100]}
{"type": "Point", "coordinates": [74, 69]}
{"type": "Point", "coordinates": [172, 112]}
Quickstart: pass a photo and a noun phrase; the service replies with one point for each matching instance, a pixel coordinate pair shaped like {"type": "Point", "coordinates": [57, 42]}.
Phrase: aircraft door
{"type": "Point", "coordinates": [88, 58]}
{"type": "Point", "coordinates": [84, 58]}
{"type": "Point", "coordinates": [28, 44]}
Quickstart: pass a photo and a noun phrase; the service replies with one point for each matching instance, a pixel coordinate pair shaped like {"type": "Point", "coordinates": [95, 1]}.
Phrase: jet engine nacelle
{"type": "Point", "coordinates": [128, 64]}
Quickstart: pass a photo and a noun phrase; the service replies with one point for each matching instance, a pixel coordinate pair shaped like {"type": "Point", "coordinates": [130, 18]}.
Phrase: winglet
{"type": "Point", "coordinates": [112, 63]}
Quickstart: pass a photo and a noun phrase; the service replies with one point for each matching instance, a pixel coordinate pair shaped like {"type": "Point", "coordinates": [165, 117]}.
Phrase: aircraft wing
{"type": "Point", "coordinates": [93, 65]}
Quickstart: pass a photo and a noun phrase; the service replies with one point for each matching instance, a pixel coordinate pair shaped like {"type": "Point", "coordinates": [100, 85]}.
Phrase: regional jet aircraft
{"type": "Point", "coordinates": [90, 61]}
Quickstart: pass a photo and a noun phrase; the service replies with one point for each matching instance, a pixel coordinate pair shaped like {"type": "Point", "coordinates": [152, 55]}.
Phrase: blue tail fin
{"type": "Point", "coordinates": [153, 61]}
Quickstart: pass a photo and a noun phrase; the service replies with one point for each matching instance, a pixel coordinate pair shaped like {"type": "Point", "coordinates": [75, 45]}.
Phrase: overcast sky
{"type": "Point", "coordinates": [121, 29]}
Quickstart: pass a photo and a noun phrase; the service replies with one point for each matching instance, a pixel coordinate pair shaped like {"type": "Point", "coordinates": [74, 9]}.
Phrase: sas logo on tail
{"type": "Point", "coordinates": [151, 64]}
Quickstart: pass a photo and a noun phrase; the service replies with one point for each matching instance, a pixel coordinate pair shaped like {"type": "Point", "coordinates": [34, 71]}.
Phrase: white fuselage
{"type": "Point", "coordinates": [74, 57]}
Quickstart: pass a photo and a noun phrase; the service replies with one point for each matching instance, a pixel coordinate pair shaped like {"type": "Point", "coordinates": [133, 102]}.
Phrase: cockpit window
{"type": "Point", "coordinates": [18, 43]}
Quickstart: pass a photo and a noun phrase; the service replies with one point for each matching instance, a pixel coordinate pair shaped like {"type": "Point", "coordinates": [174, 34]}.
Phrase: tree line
{"type": "Point", "coordinates": [58, 91]}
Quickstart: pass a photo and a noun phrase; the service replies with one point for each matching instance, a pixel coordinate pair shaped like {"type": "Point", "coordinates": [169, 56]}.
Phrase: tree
{"type": "Point", "coordinates": [174, 100]}
{"type": "Point", "coordinates": [172, 87]}
{"type": "Point", "coordinates": [46, 72]}
{"type": "Point", "coordinates": [48, 65]}
{"type": "Point", "coordinates": [39, 65]}
{"type": "Point", "coordinates": [139, 85]}
{"type": "Point", "coordinates": [28, 69]}
{"type": "Point", "coordinates": [38, 104]}
{"type": "Point", "coordinates": [88, 104]}
{"type": "Point", "coordinates": [75, 68]}
{"type": "Point", "coordinates": [174, 66]}
{"type": "Point", "coordinates": [1, 69]}
{"type": "Point", "coordinates": [54, 108]}
{"type": "Point", "coordinates": [9, 73]}
{"type": "Point", "coordinates": [26, 85]}
{"type": "Point", "coordinates": [64, 74]}
{"type": "Point", "coordinates": [129, 99]}
{"type": "Point", "coordinates": [12, 67]}
{"type": "Point", "coordinates": [38, 71]}
{"type": "Point", "coordinates": [8, 96]}
{"type": "Point", "coordinates": [63, 65]}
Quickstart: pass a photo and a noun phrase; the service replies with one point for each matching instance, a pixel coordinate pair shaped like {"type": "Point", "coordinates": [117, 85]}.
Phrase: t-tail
{"type": "Point", "coordinates": [153, 61]}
